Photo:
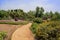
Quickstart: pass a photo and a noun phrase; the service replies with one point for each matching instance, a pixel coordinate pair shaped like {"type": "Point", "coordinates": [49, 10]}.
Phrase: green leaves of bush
{"type": "Point", "coordinates": [37, 20]}
{"type": "Point", "coordinates": [34, 27]}
{"type": "Point", "coordinates": [2, 35]}
{"type": "Point", "coordinates": [47, 31]}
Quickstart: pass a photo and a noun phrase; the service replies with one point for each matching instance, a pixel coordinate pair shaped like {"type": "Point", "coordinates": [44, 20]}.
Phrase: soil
{"type": "Point", "coordinates": [9, 29]}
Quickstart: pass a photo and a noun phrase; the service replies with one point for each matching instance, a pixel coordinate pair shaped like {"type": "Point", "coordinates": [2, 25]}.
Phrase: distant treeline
{"type": "Point", "coordinates": [19, 14]}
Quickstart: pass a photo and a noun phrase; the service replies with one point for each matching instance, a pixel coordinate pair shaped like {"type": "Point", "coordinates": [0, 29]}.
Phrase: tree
{"type": "Point", "coordinates": [18, 14]}
{"type": "Point", "coordinates": [14, 14]}
{"type": "Point", "coordinates": [46, 14]}
{"type": "Point", "coordinates": [56, 16]}
{"type": "Point", "coordinates": [4, 14]}
{"type": "Point", "coordinates": [31, 15]}
{"type": "Point", "coordinates": [51, 14]}
{"type": "Point", "coordinates": [39, 12]}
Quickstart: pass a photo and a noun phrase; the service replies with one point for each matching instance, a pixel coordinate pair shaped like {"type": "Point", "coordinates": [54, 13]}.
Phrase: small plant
{"type": "Point", "coordinates": [2, 35]}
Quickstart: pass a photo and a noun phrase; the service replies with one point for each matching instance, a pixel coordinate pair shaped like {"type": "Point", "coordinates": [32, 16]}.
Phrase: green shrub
{"type": "Point", "coordinates": [2, 35]}
{"type": "Point", "coordinates": [37, 20]}
{"type": "Point", "coordinates": [33, 28]}
{"type": "Point", "coordinates": [47, 31]}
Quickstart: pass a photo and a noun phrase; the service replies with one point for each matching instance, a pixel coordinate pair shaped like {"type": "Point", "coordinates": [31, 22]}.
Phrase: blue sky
{"type": "Point", "coordinates": [26, 5]}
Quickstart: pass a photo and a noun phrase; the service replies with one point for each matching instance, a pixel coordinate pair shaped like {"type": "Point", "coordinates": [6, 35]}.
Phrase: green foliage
{"type": "Point", "coordinates": [39, 12]}
{"type": "Point", "coordinates": [34, 27]}
{"type": "Point", "coordinates": [56, 16]}
{"type": "Point", "coordinates": [47, 31]}
{"type": "Point", "coordinates": [4, 14]}
{"type": "Point", "coordinates": [37, 20]}
{"type": "Point", "coordinates": [31, 15]}
{"type": "Point", "coordinates": [19, 14]}
{"type": "Point", "coordinates": [3, 35]}
{"type": "Point", "coordinates": [16, 13]}
{"type": "Point", "coordinates": [51, 14]}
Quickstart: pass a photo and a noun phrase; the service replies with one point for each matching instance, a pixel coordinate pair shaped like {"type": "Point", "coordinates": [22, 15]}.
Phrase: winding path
{"type": "Point", "coordinates": [23, 33]}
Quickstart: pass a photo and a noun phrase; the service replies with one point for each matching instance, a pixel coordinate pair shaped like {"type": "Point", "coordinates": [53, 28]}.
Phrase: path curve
{"type": "Point", "coordinates": [23, 33]}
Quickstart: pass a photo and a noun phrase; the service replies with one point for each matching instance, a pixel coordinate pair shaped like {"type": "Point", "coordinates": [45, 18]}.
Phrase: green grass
{"type": "Point", "coordinates": [15, 23]}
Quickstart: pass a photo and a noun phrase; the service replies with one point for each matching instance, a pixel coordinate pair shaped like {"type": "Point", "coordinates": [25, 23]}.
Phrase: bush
{"type": "Point", "coordinates": [47, 31]}
{"type": "Point", "coordinates": [2, 35]}
{"type": "Point", "coordinates": [37, 20]}
{"type": "Point", "coordinates": [33, 28]}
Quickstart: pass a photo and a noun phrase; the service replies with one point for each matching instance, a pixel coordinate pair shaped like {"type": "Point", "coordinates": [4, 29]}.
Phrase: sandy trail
{"type": "Point", "coordinates": [23, 33]}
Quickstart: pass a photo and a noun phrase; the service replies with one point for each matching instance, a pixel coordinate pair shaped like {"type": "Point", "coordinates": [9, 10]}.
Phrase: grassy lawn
{"type": "Point", "coordinates": [15, 23]}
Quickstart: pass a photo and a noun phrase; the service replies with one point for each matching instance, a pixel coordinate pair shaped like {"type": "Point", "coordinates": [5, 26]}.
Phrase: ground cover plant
{"type": "Point", "coordinates": [46, 31]}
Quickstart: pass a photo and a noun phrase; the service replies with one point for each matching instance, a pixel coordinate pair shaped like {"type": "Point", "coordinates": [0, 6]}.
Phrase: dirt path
{"type": "Point", "coordinates": [23, 33]}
